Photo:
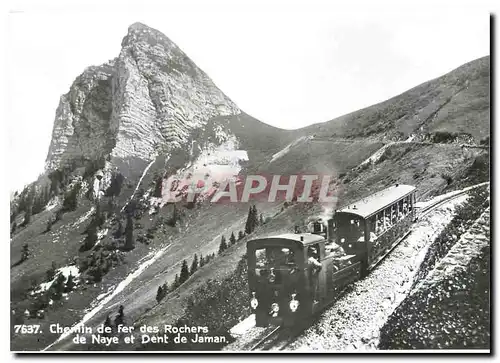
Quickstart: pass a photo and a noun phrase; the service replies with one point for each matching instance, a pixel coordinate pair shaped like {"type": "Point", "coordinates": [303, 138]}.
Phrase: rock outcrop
{"type": "Point", "coordinates": [148, 100]}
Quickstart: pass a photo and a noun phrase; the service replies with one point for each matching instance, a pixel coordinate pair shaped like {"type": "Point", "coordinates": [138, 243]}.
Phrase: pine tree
{"type": "Point", "coordinates": [57, 287]}
{"type": "Point", "coordinates": [159, 294]}
{"type": "Point", "coordinates": [232, 239]}
{"type": "Point", "coordinates": [202, 260]}
{"type": "Point", "coordinates": [34, 284]}
{"type": "Point", "coordinates": [51, 272]}
{"type": "Point", "coordinates": [107, 323]}
{"type": "Point", "coordinates": [115, 186]}
{"type": "Point", "coordinates": [176, 282]}
{"type": "Point", "coordinates": [129, 234]}
{"type": "Point", "coordinates": [96, 274]}
{"type": "Point", "coordinates": [25, 253]}
{"type": "Point", "coordinates": [248, 224]}
{"type": "Point", "coordinates": [119, 231]}
{"type": "Point", "coordinates": [174, 218]}
{"type": "Point", "coordinates": [39, 303]}
{"type": "Point", "coordinates": [165, 288]}
{"type": "Point", "coordinates": [29, 205]}
{"type": "Point", "coordinates": [98, 217]}
{"type": "Point", "coordinates": [27, 214]}
{"type": "Point", "coordinates": [158, 187]}
{"type": "Point", "coordinates": [50, 222]}
{"type": "Point", "coordinates": [41, 200]}
{"type": "Point", "coordinates": [70, 283]}
{"type": "Point", "coordinates": [70, 201]}
{"type": "Point", "coordinates": [255, 217]}
{"type": "Point", "coordinates": [223, 245]}
{"type": "Point", "coordinates": [184, 272]}
{"type": "Point", "coordinates": [241, 235]}
{"type": "Point", "coordinates": [194, 265]}
{"type": "Point", "coordinates": [91, 238]}
{"type": "Point", "coordinates": [120, 317]}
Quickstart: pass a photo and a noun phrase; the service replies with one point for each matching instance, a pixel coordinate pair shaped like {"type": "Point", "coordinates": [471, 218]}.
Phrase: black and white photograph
{"type": "Point", "coordinates": [249, 176]}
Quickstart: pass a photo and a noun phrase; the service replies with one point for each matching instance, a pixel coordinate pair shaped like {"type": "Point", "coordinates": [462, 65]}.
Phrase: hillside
{"type": "Point", "coordinates": [456, 103]}
{"type": "Point", "coordinates": [128, 125]}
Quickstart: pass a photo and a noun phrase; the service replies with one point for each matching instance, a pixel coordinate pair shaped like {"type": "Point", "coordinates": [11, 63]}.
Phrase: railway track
{"type": "Point", "coordinates": [269, 337]}
{"type": "Point", "coordinates": [427, 209]}
{"type": "Point", "coordinates": [278, 338]}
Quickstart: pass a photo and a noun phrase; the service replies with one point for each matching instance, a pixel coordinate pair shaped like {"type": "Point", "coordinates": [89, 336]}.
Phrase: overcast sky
{"type": "Point", "coordinates": [289, 66]}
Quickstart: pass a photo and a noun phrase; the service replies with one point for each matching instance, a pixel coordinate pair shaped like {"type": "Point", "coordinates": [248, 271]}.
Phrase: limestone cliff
{"type": "Point", "coordinates": [147, 100]}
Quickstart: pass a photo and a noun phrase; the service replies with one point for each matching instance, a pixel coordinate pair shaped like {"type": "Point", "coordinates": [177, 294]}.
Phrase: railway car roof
{"type": "Point", "coordinates": [373, 203]}
{"type": "Point", "coordinates": [299, 238]}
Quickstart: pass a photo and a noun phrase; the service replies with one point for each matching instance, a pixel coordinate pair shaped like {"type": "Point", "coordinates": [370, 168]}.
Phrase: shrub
{"type": "Point", "coordinates": [448, 178]}
{"type": "Point", "coordinates": [443, 137]}
{"type": "Point", "coordinates": [115, 186]}
{"type": "Point", "coordinates": [70, 201]}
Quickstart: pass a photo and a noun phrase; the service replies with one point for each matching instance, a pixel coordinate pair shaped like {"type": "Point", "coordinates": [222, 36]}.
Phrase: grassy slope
{"type": "Point", "coordinates": [455, 102]}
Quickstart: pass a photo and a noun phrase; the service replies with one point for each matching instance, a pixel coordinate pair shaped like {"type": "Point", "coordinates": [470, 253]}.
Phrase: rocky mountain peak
{"type": "Point", "coordinates": [139, 32]}
{"type": "Point", "coordinates": [150, 99]}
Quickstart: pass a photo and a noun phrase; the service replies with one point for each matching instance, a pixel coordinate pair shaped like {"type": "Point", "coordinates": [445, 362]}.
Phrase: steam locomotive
{"type": "Point", "coordinates": [295, 275]}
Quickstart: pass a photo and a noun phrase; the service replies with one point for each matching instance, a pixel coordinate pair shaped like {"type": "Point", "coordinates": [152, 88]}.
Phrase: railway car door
{"type": "Point", "coordinates": [316, 273]}
{"type": "Point", "coordinates": [351, 233]}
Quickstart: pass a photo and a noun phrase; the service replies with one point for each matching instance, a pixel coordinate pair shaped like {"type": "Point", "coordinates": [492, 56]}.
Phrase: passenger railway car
{"type": "Point", "coordinates": [293, 276]}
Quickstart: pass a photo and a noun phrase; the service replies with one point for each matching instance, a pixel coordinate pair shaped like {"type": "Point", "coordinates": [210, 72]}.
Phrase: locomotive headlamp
{"type": "Point", "coordinates": [254, 302]}
{"type": "Point", "coordinates": [275, 308]}
{"type": "Point", "coordinates": [294, 304]}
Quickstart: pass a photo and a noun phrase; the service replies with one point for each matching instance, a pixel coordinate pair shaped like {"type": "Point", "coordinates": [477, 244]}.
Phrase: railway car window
{"type": "Point", "coordinates": [274, 257]}
{"type": "Point", "coordinates": [355, 222]}
{"type": "Point", "coordinates": [379, 223]}
{"type": "Point", "coordinates": [313, 251]}
{"type": "Point", "coordinates": [372, 222]}
{"type": "Point", "coordinates": [260, 257]}
{"type": "Point", "coordinates": [387, 218]}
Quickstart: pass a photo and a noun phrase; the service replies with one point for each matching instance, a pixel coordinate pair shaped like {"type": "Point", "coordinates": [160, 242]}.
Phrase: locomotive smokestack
{"type": "Point", "coordinates": [329, 231]}
{"type": "Point", "coordinates": [302, 238]}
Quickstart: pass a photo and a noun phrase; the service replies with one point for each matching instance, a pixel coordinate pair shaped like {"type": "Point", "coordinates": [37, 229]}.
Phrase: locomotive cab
{"type": "Point", "coordinates": [281, 284]}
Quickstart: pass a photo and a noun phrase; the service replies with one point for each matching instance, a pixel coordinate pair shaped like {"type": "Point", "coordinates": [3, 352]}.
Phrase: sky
{"type": "Point", "coordinates": [289, 64]}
